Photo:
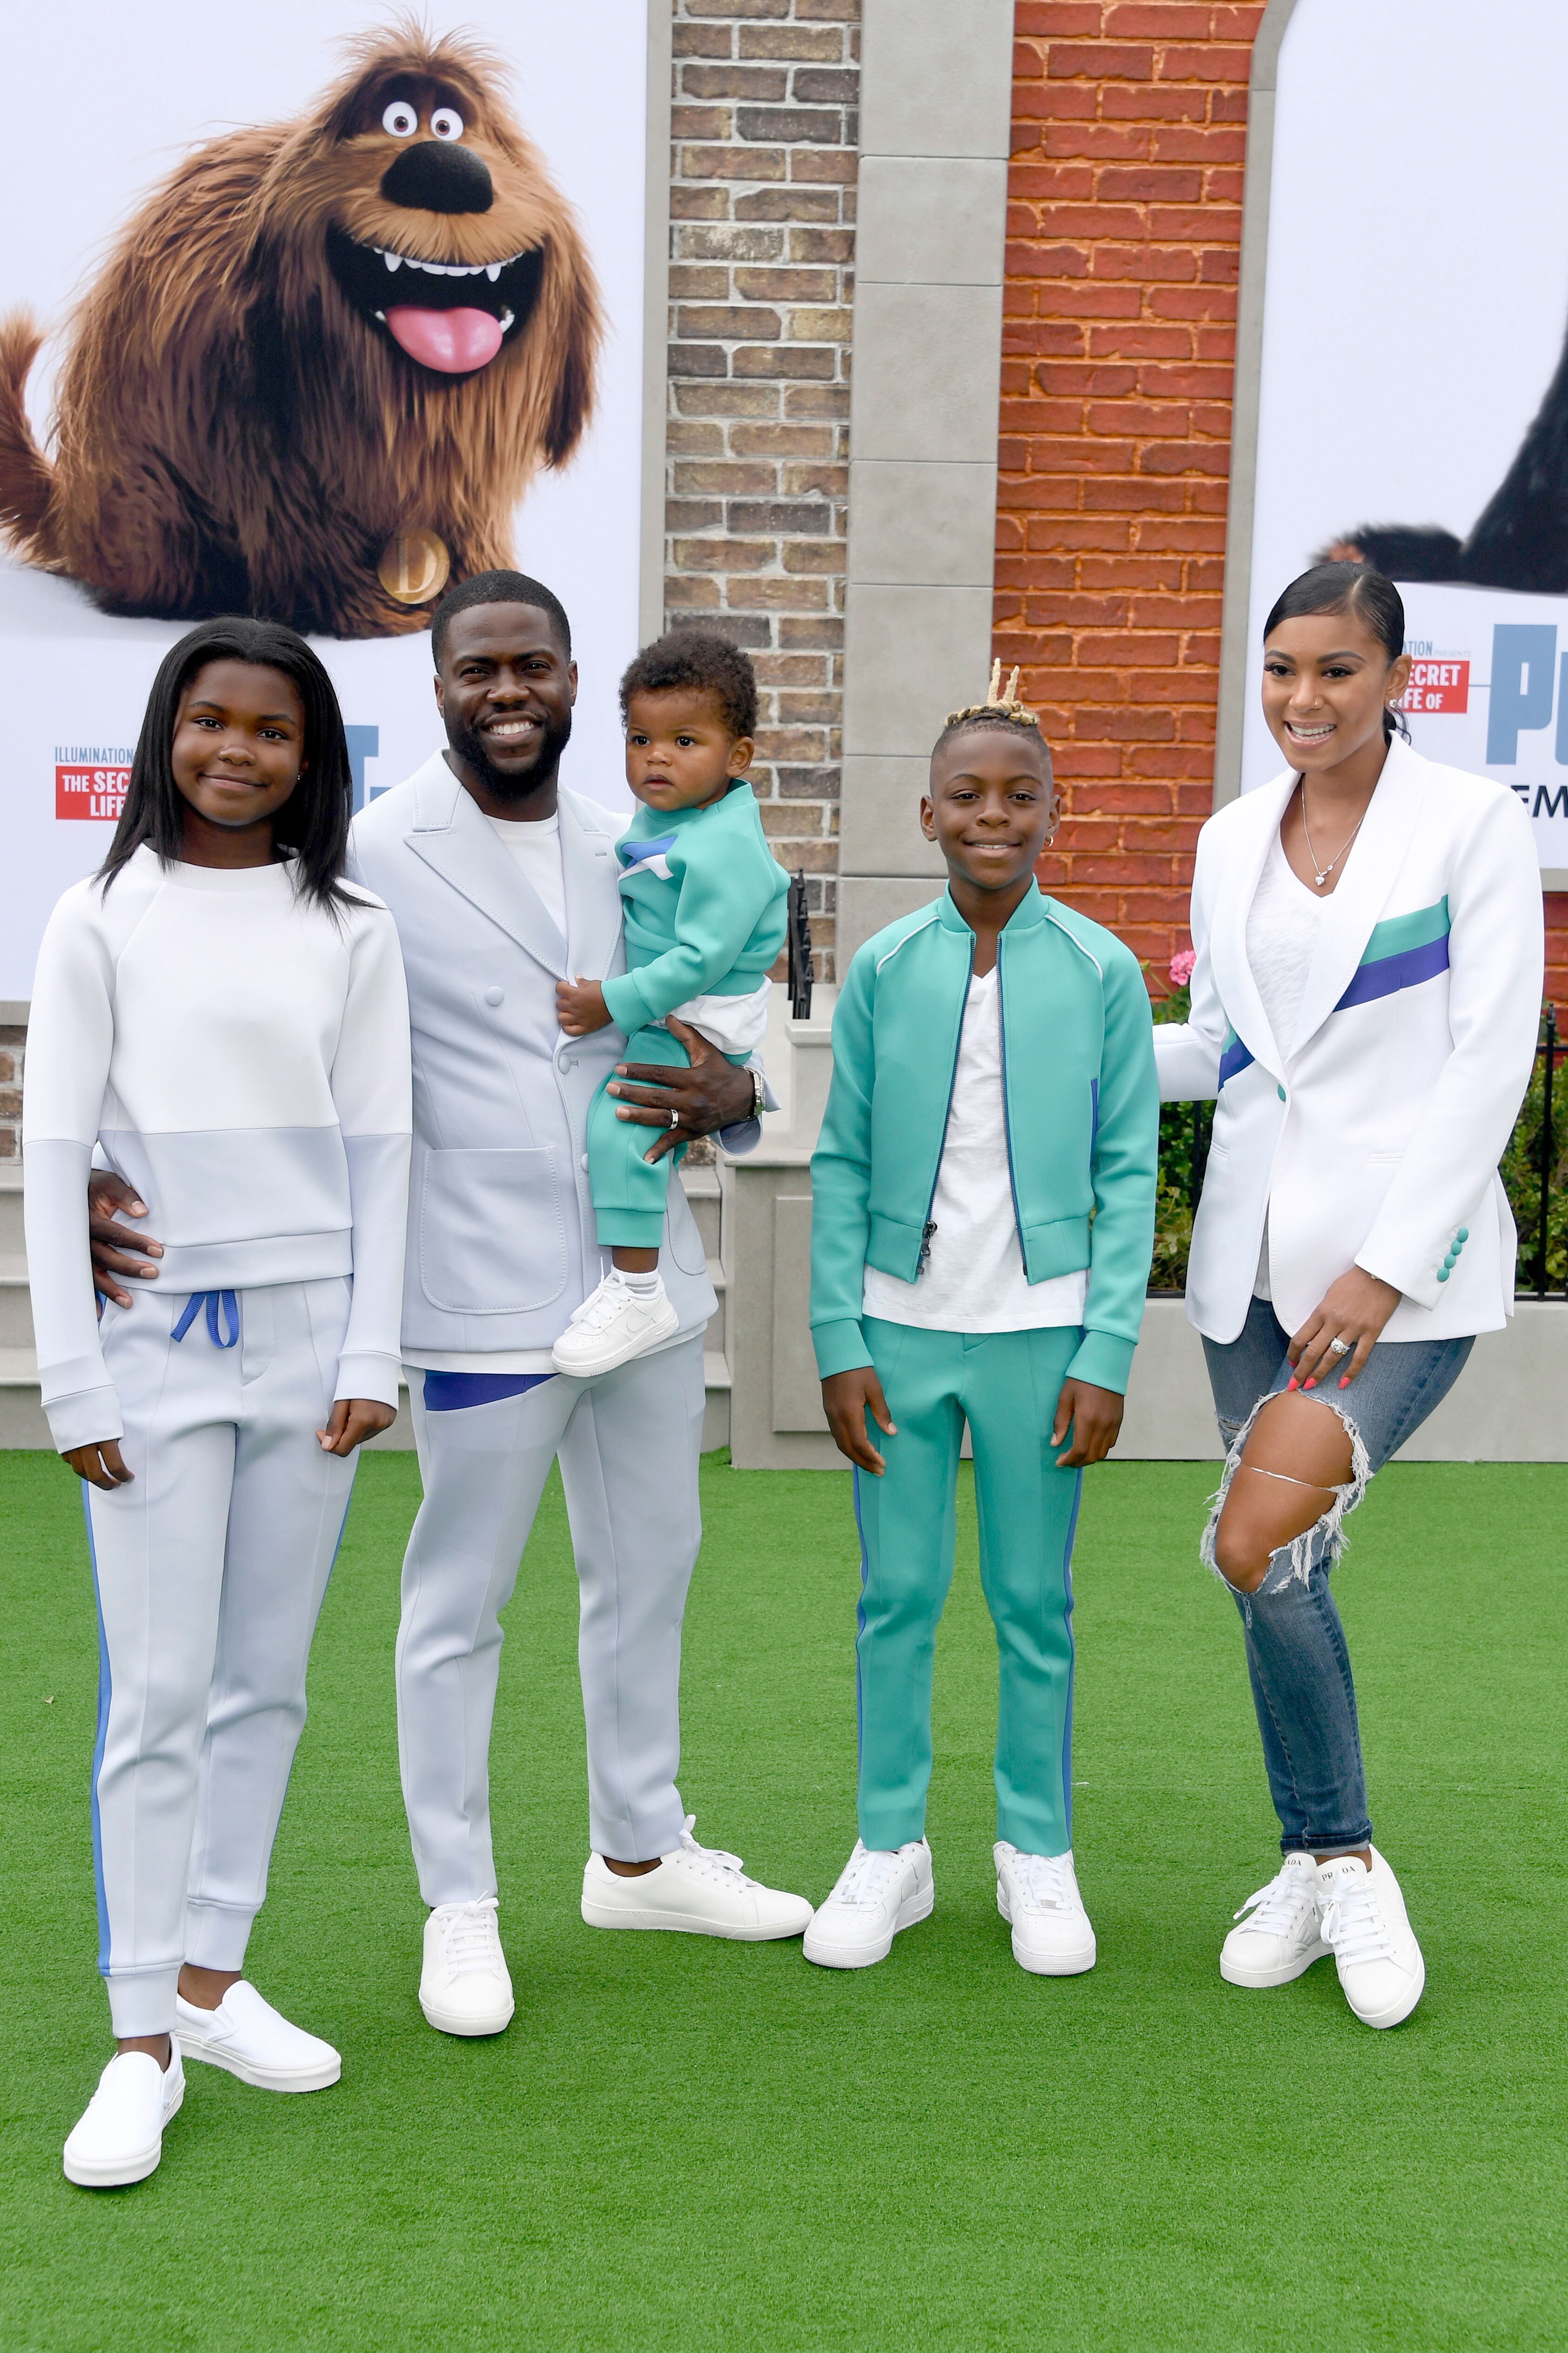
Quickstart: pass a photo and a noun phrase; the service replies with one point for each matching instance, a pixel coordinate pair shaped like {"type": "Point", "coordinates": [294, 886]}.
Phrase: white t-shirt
{"type": "Point", "coordinates": [1282, 928]}
{"type": "Point", "coordinates": [974, 1280]}
{"type": "Point", "coordinates": [535, 845]}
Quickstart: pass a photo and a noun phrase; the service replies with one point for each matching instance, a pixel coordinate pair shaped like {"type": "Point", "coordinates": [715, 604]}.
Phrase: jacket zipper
{"type": "Point", "coordinates": [1007, 1123]}
{"type": "Point", "coordinates": [929, 1226]}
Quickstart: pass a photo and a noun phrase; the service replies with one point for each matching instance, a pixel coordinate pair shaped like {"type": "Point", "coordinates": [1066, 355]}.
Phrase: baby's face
{"type": "Point", "coordinates": [680, 753]}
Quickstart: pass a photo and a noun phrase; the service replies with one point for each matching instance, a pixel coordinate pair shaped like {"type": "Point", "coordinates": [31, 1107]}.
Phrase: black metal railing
{"type": "Point", "coordinates": [1535, 1173]}
{"type": "Point", "coordinates": [802, 974]}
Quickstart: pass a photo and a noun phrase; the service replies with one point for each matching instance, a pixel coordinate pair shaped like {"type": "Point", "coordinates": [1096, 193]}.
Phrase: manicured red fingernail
{"type": "Point", "coordinates": [1291, 1384]}
{"type": "Point", "coordinates": [1344, 1380]}
{"type": "Point", "coordinates": [1311, 1383]}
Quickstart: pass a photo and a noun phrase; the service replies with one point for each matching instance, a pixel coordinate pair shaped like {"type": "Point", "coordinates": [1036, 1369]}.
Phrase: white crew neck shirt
{"type": "Point", "coordinates": [974, 1278]}
{"type": "Point", "coordinates": [1282, 927]}
{"type": "Point", "coordinates": [534, 846]}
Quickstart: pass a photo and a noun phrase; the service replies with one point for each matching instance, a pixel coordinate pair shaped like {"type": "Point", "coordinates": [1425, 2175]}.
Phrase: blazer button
{"type": "Point", "coordinates": [495, 996]}
{"type": "Point", "coordinates": [583, 1163]}
{"type": "Point", "coordinates": [1463, 1235]}
{"type": "Point", "coordinates": [1444, 1273]}
{"type": "Point", "coordinates": [568, 1063]}
{"type": "Point", "coordinates": [1281, 1092]}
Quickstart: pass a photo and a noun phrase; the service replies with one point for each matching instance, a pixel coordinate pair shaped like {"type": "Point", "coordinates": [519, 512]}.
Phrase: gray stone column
{"type": "Point", "coordinates": [936, 98]}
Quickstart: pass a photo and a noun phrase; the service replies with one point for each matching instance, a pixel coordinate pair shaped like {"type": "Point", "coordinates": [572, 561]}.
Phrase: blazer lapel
{"type": "Point", "coordinates": [451, 834]}
{"type": "Point", "coordinates": [1368, 876]}
{"type": "Point", "coordinates": [1227, 943]}
{"type": "Point", "coordinates": [592, 893]}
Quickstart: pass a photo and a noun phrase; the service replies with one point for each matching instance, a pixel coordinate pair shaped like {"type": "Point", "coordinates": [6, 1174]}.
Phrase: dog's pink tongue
{"type": "Point", "coordinates": [454, 341]}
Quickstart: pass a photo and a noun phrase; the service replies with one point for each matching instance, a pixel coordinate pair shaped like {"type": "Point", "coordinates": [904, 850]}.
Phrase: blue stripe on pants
{"type": "Point", "coordinates": [1005, 1385]}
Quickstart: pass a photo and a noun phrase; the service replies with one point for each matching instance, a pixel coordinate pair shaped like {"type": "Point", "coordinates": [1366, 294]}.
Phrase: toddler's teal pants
{"type": "Point", "coordinates": [1006, 1385]}
{"type": "Point", "coordinates": [629, 1192]}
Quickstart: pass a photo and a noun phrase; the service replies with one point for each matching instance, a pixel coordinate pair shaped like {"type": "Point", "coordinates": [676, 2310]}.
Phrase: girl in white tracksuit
{"type": "Point", "coordinates": [224, 1022]}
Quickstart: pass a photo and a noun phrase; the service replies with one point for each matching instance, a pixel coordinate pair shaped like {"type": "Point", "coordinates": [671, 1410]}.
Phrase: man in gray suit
{"type": "Point", "coordinates": [501, 883]}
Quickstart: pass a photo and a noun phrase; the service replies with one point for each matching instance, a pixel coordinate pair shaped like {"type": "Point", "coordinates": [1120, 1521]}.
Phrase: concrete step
{"type": "Point", "coordinates": [16, 1305]}
{"type": "Point", "coordinates": [22, 1420]}
{"type": "Point", "coordinates": [11, 1209]}
{"type": "Point", "coordinates": [703, 1192]}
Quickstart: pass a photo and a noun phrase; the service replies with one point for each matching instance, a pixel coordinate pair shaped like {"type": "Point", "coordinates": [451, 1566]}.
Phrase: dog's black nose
{"type": "Point", "coordinates": [439, 176]}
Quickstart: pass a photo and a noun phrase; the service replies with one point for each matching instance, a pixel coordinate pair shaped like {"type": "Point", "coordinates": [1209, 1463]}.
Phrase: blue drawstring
{"type": "Point", "coordinates": [213, 1301]}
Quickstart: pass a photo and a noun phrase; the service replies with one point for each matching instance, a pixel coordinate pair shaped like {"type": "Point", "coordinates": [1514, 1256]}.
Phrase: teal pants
{"type": "Point", "coordinates": [1004, 1384]}
{"type": "Point", "coordinates": [629, 1192]}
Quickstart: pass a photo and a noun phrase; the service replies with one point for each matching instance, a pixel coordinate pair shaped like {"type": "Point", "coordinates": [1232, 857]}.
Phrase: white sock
{"type": "Point", "coordinates": [643, 1285]}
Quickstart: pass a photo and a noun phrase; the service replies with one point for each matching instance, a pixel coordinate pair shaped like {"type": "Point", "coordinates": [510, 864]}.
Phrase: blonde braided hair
{"type": "Point", "coordinates": [998, 705]}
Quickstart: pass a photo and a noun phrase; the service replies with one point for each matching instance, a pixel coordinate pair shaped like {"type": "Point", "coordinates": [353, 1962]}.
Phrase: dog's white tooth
{"type": "Point", "coordinates": [393, 260]}
{"type": "Point", "coordinates": [382, 316]}
{"type": "Point", "coordinates": [506, 321]}
{"type": "Point", "coordinates": [493, 270]}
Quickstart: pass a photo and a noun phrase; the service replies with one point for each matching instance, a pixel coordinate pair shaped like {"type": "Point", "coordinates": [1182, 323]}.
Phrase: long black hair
{"type": "Point", "coordinates": [1354, 588]}
{"type": "Point", "coordinates": [313, 823]}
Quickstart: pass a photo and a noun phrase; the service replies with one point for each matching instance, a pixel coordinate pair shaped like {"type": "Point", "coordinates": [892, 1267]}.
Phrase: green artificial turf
{"type": "Point", "coordinates": [693, 2145]}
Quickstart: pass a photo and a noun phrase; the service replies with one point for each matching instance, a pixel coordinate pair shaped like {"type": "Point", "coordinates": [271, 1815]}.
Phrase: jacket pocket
{"type": "Point", "coordinates": [492, 1235]}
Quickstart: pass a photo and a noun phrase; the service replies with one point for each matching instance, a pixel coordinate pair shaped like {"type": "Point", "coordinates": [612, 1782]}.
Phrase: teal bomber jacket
{"type": "Point", "coordinates": [1081, 1104]}
{"type": "Point", "coordinates": [704, 900]}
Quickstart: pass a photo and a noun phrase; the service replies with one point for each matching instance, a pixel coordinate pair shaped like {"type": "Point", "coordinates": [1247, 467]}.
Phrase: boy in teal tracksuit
{"type": "Point", "coordinates": [981, 1226]}
{"type": "Point", "coordinates": [704, 921]}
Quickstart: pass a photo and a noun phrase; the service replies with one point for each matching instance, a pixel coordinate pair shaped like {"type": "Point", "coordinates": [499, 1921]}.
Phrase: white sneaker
{"type": "Point", "coordinates": [699, 1889]}
{"type": "Point", "coordinates": [1366, 1929]}
{"type": "Point", "coordinates": [1282, 1935]}
{"type": "Point", "coordinates": [465, 1986]}
{"type": "Point", "coordinates": [879, 1892]}
{"type": "Point", "coordinates": [249, 2038]}
{"type": "Point", "coordinates": [120, 2137]}
{"type": "Point", "coordinates": [614, 1324]}
{"type": "Point", "coordinates": [1038, 1894]}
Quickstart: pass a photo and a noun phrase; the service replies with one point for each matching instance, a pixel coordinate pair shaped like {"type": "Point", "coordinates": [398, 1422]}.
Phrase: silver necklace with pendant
{"type": "Point", "coordinates": [1320, 879]}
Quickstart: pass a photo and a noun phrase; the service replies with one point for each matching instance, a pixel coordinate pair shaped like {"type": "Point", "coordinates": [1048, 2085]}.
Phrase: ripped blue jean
{"type": "Point", "coordinates": [1297, 1657]}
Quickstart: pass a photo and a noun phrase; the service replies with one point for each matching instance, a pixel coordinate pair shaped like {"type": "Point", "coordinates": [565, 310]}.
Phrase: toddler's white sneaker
{"type": "Point", "coordinates": [1366, 1929]}
{"type": "Point", "coordinates": [120, 2137]}
{"type": "Point", "coordinates": [1037, 1894]}
{"type": "Point", "coordinates": [1280, 1934]}
{"type": "Point", "coordinates": [699, 1889]}
{"type": "Point", "coordinates": [254, 2042]}
{"type": "Point", "coordinates": [614, 1324]}
{"type": "Point", "coordinates": [464, 1986]}
{"type": "Point", "coordinates": [879, 1892]}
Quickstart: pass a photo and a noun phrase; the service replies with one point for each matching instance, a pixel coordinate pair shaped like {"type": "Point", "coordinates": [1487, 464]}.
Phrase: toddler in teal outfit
{"type": "Point", "coordinates": [704, 920]}
{"type": "Point", "coordinates": [983, 1211]}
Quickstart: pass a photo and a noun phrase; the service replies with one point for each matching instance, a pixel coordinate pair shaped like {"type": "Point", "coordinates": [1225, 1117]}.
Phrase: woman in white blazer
{"type": "Point", "coordinates": [1368, 940]}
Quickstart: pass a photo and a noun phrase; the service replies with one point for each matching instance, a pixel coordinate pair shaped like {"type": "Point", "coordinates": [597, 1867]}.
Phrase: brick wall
{"type": "Point", "coordinates": [763, 247]}
{"type": "Point", "coordinates": [1129, 132]}
{"type": "Point", "coordinates": [13, 1040]}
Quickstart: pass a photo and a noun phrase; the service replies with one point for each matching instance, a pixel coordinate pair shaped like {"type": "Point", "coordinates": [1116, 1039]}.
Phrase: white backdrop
{"type": "Point", "coordinates": [143, 85]}
{"type": "Point", "coordinates": [1415, 304]}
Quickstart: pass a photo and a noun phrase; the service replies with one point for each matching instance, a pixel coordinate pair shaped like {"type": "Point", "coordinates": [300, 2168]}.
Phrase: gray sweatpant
{"type": "Point", "coordinates": [627, 1444]}
{"type": "Point", "coordinates": [209, 1568]}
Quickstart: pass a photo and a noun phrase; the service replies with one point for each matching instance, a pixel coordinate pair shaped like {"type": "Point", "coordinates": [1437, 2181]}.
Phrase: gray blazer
{"type": "Point", "coordinates": [501, 1244]}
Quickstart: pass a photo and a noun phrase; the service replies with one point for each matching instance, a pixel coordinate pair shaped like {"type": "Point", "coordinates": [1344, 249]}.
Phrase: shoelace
{"type": "Point", "coordinates": [600, 1306]}
{"type": "Point", "coordinates": [1276, 1909]}
{"type": "Point", "coordinates": [468, 1937]}
{"type": "Point", "coordinates": [865, 1878]}
{"type": "Point", "coordinates": [710, 1861]}
{"type": "Point", "coordinates": [1353, 1925]}
{"type": "Point", "coordinates": [1046, 1882]}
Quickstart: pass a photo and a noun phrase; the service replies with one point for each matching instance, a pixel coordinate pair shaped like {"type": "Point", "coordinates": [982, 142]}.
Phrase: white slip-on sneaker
{"type": "Point", "coordinates": [614, 1324]}
{"type": "Point", "coordinates": [879, 1892]}
{"type": "Point", "coordinates": [464, 1986]}
{"type": "Point", "coordinates": [1052, 1937]}
{"type": "Point", "coordinates": [699, 1889]}
{"type": "Point", "coordinates": [254, 2042]}
{"type": "Point", "coordinates": [120, 2137]}
{"type": "Point", "coordinates": [1281, 1934]}
{"type": "Point", "coordinates": [1367, 1929]}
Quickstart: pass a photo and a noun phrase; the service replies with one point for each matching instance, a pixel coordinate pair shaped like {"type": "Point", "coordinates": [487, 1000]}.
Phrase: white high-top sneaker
{"type": "Point", "coordinates": [256, 2042]}
{"type": "Point", "coordinates": [120, 2137]}
{"type": "Point", "coordinates": [1037, 1894]}
{"type": "Point", "coordinates": [699, 1889]}
{"type": "Point", "coordinates": [1367, 1929]}
{"type": "Point", "coordinates": [465, 1986]}
{"type": "Point", "coordinates": [614, 1324]}
{"type": "Point", "coordinates": [879, 1892]}
{"type": "Point", "coordinates": [1281, 1935]}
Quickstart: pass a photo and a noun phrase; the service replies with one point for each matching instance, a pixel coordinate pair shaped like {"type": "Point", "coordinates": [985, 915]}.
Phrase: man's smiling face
{"type": "Point", "coordinates": [505, 687]}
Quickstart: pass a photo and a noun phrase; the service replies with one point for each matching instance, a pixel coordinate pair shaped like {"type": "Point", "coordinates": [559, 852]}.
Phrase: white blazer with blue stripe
{"type": "Point", "coordinates": [1372, 1137]}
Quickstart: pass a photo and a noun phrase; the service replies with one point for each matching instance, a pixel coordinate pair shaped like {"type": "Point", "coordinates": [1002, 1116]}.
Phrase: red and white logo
{"type": "Point", "coordinates": [1438, 684]}
{"type": "Point", "coordinates": [91, 782]}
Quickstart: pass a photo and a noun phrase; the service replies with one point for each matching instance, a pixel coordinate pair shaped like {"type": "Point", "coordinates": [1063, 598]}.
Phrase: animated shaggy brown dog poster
{"type": "Point", "coordinates": [317, 311]}
{"type": "Point", "coordinates": [1414, 394]}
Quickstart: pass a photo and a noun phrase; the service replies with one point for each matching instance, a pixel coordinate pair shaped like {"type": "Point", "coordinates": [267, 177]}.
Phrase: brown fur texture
{"type": "Point", "coordinates": [237, 431]}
